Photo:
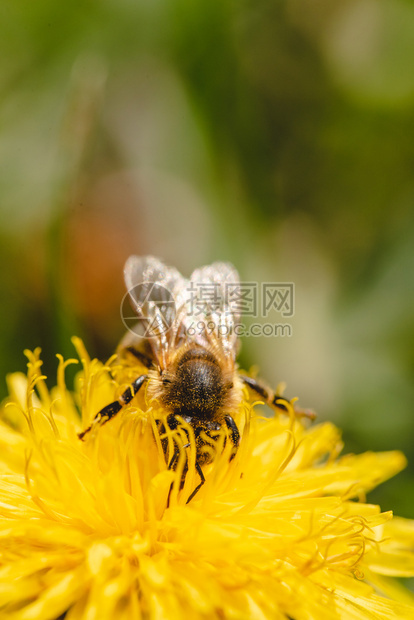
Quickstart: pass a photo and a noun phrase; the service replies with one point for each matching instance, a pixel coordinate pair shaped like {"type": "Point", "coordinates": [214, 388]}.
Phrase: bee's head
{"type": "Point", "coordinates": [196, 384]}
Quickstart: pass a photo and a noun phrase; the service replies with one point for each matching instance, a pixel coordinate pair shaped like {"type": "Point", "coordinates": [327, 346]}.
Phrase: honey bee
{"type": "Point", "coordinates": [187, 341]}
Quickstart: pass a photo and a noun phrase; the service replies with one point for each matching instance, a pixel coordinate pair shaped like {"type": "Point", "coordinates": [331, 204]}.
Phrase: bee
{"type": "Point", "coordinates": [186, 339]}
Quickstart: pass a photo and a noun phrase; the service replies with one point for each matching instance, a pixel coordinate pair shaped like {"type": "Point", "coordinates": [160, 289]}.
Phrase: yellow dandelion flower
{"type": "Point", "coordinates": [101, 529]}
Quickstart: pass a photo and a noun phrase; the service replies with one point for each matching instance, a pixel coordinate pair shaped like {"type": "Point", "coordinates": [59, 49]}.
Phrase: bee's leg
{"type": "Point", "coordinates": [274, 400]}
{"type": "Point", "coordinates": [174, 458]}
{"type": "Point", "coordinates": [171, 465]}
{"type": "Point", "coordinates": [108, 412]}
{"type": "Point", "coordinates": [173, 424]}
{"type": "Point", "coordinates": [235, 438]}
{"type": "Point", "coordinates": [234, 434]}
{"type": "Point", "coordinates": [144, 359]}
{"type": "Point", "coordinates": [196, 490]}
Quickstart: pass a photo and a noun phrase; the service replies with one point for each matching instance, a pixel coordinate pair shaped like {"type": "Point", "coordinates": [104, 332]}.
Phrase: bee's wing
{"type": "Point", "coordinates": [211, 295]}
{"type": "Point", "coordinates": [154, 290]}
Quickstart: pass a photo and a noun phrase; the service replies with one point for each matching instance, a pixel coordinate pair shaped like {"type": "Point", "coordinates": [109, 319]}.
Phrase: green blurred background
{"type": "Point", "coordinates": [276, 135]}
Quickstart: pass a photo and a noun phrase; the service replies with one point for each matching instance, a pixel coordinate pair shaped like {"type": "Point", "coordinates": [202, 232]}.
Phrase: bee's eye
{"type": "Point", "coordinates": [166, 381]}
